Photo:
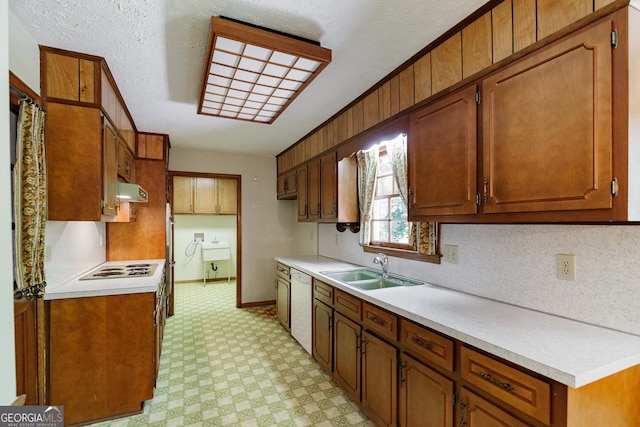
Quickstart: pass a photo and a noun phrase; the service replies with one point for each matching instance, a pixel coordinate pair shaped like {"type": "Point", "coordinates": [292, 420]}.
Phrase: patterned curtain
{"type": "Point", "coordinates": [367, 169]}
{"type": "Point", "coordinates": [423, 235]}
{"type": "Point", "coordinates": [30, 200]}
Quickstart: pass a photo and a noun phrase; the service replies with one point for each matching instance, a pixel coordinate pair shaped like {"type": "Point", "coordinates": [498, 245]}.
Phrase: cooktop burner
{"type": "Point", "coordinates": [119, 271]}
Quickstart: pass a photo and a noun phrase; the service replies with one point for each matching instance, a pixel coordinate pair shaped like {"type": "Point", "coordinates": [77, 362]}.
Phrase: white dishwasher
{"type": "Point", "coordinates": [301, 308]}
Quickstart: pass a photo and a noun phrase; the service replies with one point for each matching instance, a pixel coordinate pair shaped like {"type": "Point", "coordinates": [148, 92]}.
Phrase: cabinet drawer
{"type": "Point", "coordinates": [514, 387]}
{"type": "Point", "coordinates": [348, 305]}
{"type": "Point", "coordinates": [479, 412]}
{"type": "Point", "coordinates": [381, 321]}
{"type": "Point", "coordinates": [426, 344]}
{"type": "Point", "coordinates": [323, 292]}
{"type": "Point", "coordinates": [283, 271]}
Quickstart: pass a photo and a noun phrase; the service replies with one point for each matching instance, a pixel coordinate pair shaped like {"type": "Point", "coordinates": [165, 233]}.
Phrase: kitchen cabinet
{"type": "Point", "coordinates": [86, 122]}
{"type": "Point", "coordinates": [126, 163]}
{"type": "Point", "coordinates": [327, 190]}
{"type": "Point", "coordinates": [151, 146]}
{"type": "Point", "coordinates": [478, 412]}
{"type": "Point", "coordinates": [69, 78]}
{"type": "Point", "coordinates": [425, 396]}
{"type": "Point", "coordinates": [322, 343]}
{"type": "Point", "coordinates": [379, 380]}
{"type": "Point", "coordinates": [110, 170]}
{"type": "Point", "coordinates": [199, 195]}
{"type": "Point", "coordinates": [182, 195]}
{"type": "Point", "coordinates": [550, 148]}
{"type": "Point", "coordinates": [283, 295]}
{"type": "Point", "coordinates": [441, 156]}
{"type": "Point", "coordinates": [160, 319]}
{"type": "Point", "coordinates": [287, 186]}
{"type": "Point", "coordinates": [102, 365]}
{"type": "Point", "coordinates": [26, 349]}
{"type": "Point", "coordinates": [347, 342]}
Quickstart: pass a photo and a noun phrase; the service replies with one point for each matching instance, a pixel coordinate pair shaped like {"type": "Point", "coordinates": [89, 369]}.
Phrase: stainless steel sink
{"type": "Point", "coordinates": [367, 279]}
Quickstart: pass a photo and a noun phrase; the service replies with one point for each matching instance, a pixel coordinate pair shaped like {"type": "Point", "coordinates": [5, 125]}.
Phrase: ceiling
{"type": "Point", "coordinates": [156, 48]}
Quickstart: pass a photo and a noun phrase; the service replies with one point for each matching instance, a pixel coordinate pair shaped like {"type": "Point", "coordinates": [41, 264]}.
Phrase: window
{"type": "Point", "coordinates": [389, 225]}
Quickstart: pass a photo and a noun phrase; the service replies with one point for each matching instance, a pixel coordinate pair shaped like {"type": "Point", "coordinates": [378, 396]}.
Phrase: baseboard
{"type": "Point", "coordinates": [257, 304]}
{"type": "Point", "coordinates": [217, 279]}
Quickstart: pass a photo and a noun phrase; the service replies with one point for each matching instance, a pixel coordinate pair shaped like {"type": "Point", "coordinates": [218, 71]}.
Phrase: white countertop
{"type": "Point", "coordinates": [568, 351]}
{"type": "Point", "coordinates": [76, 288]}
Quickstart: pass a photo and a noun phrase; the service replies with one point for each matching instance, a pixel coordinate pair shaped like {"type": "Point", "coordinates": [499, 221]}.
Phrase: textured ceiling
{"type": "Point", "coordinates": [155, 50]}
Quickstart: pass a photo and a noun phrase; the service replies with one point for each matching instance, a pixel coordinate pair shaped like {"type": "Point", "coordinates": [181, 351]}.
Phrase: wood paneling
{"type": "Point", "coordinates": [358, 117]}
{"type": "Point", "coordinates": [476, 46]}
{"type": "Point", "coordinates": [502, 30]}
{"type": "Point", "coordinates": [151, 146]}
{"type": "Point", "coordinates": [87, 85]}
{"type": "Point", "coordinates": [394, 92]}
{"type": "Point", "coordinates": [446, 63]}
{"type": "Point", "coordinates": [554, 15]}
{"type": "Point", "coordinates": [524, 24]}
{"type": "Point", "coordinates": [370, 104]}
{"type": "Point", "coordinates": [384, 97]}
{"type": "Point", "coordinates": [407, 88]}
{"type": "Point", "coordinates": [422, 77]}
{"type": "Point", "coordinates": [598, 4]}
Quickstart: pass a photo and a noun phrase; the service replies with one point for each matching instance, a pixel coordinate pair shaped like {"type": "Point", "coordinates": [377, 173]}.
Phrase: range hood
{"type": "Point", "coordinates": [132, 193]}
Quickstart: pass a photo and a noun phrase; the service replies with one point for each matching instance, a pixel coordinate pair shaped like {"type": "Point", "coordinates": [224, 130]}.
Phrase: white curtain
{"type": "Point", "coordinates": [423, 235]}
{"type": "Point", "coordinates": [367, 170]}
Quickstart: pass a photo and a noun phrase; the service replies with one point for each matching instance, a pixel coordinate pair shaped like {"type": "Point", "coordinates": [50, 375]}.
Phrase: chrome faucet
{"type": "Point", "coordinates": [383, 260]}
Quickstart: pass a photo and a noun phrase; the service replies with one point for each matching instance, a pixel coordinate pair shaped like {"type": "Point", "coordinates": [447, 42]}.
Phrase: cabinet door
{"type": "Point", "coordinates": [291, 184]}
{"type": "Point", "coordinates": [442, 158]}
{"type": "Point", "coordinates": [303, 205]}
{"type": "Point", "coordinates": [547, 126]}
{"type": "Point", "coordinates": [329, 187]}
{"type": "Point", "coordinates": [204, 199]}
{"type": "Point", "coordinates": [426, 397]}
{"type": "Point", "coordinates": [110, 170]}
{"type": "Point", "coordinates": [182, 195]}
{"type": "Point", "coordinates": [346, 355]}
{"type": "Point", "coordinates": [126, 163]}
{"type": "Point", "coordinates": [70, 78]}
{"type": "Point", "coordinates": [477, 412]}
{"type": "Point", "coordinates": [283, 302]}
{"type": "Point", "coordinates": [313, 190]}
{"type": "Point", "coordinates": [322, 336]}
{"type": "Point", "coordinates": [227, 197]}
{"type": "Point", "coordinates": [379, 380]}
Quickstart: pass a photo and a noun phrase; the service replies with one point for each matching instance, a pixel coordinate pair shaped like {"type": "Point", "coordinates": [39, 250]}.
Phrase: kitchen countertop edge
{"type": "Point", "coordinates": [75, 288]}
{"type": "Point", "coordinates": [574, 367]}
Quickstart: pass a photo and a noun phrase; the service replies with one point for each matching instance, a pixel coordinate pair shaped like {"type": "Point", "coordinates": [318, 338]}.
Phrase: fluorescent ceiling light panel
{"type": "Point", "coordinates": [247, 66]}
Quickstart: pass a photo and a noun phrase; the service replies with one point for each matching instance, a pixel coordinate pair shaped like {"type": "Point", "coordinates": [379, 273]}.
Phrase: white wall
{"type": "Point", "coordinates": [219, 227]}
{"type": "Point", "coordinates": [7, 355]}
{"type": "Point", "coordinates": [516, 264]}
{"type": "Point", "coordinates": [266, 223]}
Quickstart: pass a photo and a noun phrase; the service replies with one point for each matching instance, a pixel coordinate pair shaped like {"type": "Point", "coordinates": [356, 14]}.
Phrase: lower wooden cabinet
{"type": "Point", "coordinates": [101, 355]}
{"type": "Point", "coordinates": [322, 342]}
{"type": "Point", "coordinates": [347, 355]}
{"type": "Point", "coordinates": [478, 412]}
{"type": "Point", "coordinates": [283, 302]}
{"type": "Point", "coordinates": [425, 397]}
{"type": "Point", "coordinates": [379, 380]}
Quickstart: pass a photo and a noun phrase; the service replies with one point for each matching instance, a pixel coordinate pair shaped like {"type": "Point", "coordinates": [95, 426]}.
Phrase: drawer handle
{"type": "Point", "coordinates": [377, 321]}
{"type": "Point", "coordinates": [496, 381]}
{"type": "Point", "coordinates": [421, 343]}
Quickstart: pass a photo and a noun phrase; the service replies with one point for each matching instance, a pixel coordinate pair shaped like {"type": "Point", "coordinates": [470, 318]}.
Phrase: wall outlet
{"type": "Point", "coordinates": [566, 266]}
{"type": "Point", "coordinates": [451, 254]}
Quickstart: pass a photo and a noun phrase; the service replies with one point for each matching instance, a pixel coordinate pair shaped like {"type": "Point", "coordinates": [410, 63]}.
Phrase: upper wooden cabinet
{"type": "Point", "coordinates": [114, 108]}
{"type": "Point", "coordinates": [126, 163]}
{"type": "Point", "coordinates": [441, 156]}
{"type": "Point", "coordinates": [152, 146]}
{"type": "Point", "coordinates": [70, 78]}
{"type": "Point", "coordinates": [288, 186]}
{"type": "Point", "coordinates": [556, 142]}
{"type": "Point", "coordinates": [201, 195]}
{"type": "Point", "coordinates": [547, 128]}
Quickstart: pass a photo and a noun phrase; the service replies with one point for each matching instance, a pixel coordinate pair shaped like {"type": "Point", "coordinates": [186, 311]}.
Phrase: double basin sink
{"type": "Point", "coordinates": [367, 279]}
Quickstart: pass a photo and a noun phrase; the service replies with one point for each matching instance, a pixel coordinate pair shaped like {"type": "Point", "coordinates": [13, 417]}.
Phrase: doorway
{"type": "Point", "coordinates": [205, 208]}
